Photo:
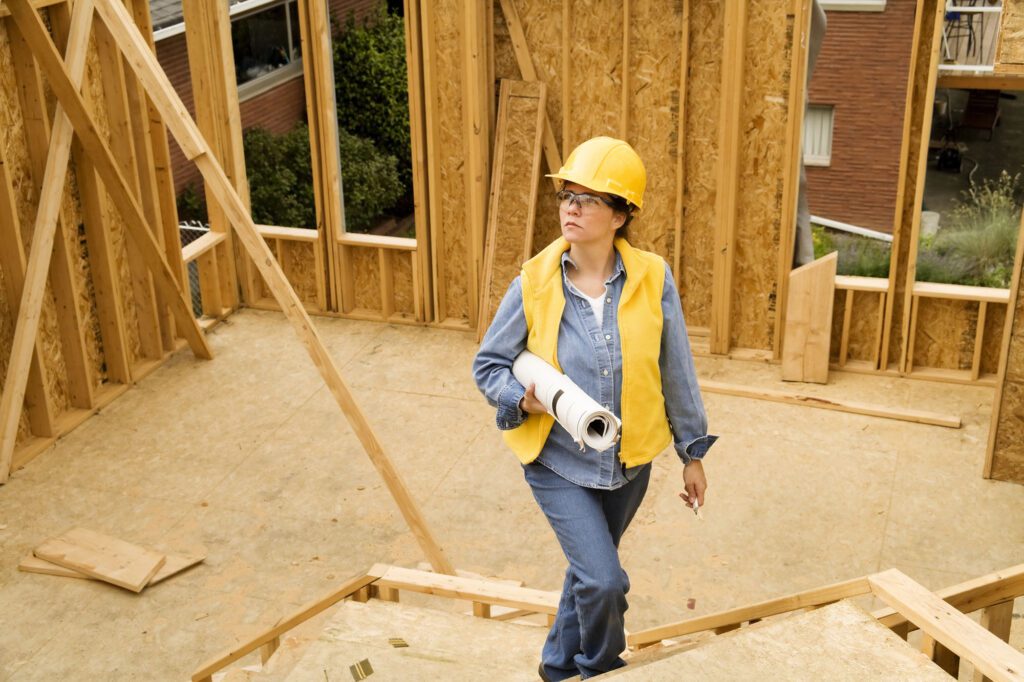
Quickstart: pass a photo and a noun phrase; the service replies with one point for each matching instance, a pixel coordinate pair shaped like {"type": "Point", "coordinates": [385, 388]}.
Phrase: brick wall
{"type": "Point", "coordinates": [862, 71]}
{"type": "Point", "coordinates": [277, 110]}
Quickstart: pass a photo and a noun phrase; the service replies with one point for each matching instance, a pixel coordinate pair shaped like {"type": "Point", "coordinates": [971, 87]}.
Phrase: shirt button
{"type": "Point", "coordinates": [607, 337]}
{"type": "Point", "coordinates": [608, 299]}
{"type": "Point", "coordinates": [604, 372]}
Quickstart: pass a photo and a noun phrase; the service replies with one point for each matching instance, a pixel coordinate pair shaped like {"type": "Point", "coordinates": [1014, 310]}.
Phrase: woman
{"type": "Point", "coordinates": [609, 317]}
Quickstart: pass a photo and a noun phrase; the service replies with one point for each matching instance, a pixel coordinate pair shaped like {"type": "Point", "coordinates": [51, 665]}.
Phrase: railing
{"type": "Point", "coordinates": [970, 36]}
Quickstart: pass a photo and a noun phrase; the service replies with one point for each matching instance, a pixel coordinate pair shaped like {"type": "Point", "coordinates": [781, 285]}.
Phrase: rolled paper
{"type": "Point", "coordinates": [586, 421]}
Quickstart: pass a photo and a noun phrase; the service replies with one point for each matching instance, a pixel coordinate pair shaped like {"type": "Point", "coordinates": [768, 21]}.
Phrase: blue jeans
{"type": "Point", "coordinates": [588, 633]}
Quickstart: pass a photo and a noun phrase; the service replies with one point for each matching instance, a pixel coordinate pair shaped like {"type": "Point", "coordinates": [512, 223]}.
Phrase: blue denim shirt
{"type": "Point", "coordinates": [592, 357]}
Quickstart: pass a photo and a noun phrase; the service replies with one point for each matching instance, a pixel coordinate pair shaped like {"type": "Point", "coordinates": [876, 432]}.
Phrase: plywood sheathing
{"type": "Point", "coordinates": [703, 90]}
{"type": "Point", "coordinates": [401, 265]}
{"type": "Point", "coordinates": [992, 344]}
{"type": "Point", "coordinates": [863, 332]}
{"type": "Point", "coordinates": [763, 126]}
{"type": "Point", "coordinates": [944, 336]}
{"type": "Point", "coordinates": [366, 274]}
{"type": "Point", "coordinates": [1011, 34]}
{"type": "Point", "coordinates": [302, 266]}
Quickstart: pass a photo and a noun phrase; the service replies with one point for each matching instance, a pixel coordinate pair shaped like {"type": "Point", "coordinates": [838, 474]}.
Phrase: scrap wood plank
{"type": "Point", "coordinates": [103, 557]}
{"type": "Point", "coordinates": [990, 655]}
{"type": "Point", "coordinates": [172, 566]}
{"type": "Point", "coordinates": [44, 233]}
{"type": "Point", "coordinates": [805, 347]}
{"type": "Point", "coordinates": [514, 182]}
{"type": "Point", "coordinates": [839, 405]}
{"type": "Point", "coordinates": [166, 100]}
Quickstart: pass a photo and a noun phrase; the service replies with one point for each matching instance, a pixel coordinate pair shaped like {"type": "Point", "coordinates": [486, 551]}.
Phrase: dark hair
{"type": "Point", "coordinates": [620, 205]}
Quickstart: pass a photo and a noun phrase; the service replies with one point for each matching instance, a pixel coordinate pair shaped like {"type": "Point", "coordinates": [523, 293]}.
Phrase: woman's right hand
{"type": "Point", "coordinates": [529, 402]}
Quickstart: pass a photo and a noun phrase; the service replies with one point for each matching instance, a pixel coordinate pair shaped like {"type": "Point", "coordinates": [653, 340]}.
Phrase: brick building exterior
{"type": "Point", "coordinates": [862, 73]}
{"type": "Point", "coordinates": [276, 107]}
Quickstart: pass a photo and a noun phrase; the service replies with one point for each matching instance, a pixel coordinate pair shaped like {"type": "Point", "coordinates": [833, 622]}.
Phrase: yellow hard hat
{"type": "Point", "coordinates": [606, 165]}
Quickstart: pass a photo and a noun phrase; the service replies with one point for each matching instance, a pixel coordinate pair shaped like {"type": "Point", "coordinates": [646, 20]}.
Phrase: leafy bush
{"type": "Point", "coordinates": [192, 206]}
{"type": "Point", "coordinates": [858, 256]}
{"type": "Point", "coordinates": [369, 180]}
{"type": "Point", "coordinates": [977, 244]}
{"type": "Point", "coordinates": [371, 87]}
{"type": "Point", "coordinates": [280, 177]}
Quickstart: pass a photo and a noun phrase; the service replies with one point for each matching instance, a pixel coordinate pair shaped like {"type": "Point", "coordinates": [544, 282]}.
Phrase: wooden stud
{"type": "Point", "coordinates": [880, 334]}
{"type": "Point", "coordinates": [911, 335]}
{"type": "Point", "coordinates": [140, 237]}
{"type": "Point", "coordinates": [209, 281]}
{"type": "Point", "coordinates": [417, 130]}
{"type": "Point", "coordinates": [979, 340]}
{"type": "Point", "coordinates": [475, 127]}
{"type": "Point", "coordinates": [853, 407]}
{"type": "Point", "coordinates": [432, 129]}
{"type": "Point", "coordinates": [481, 610]}
{"type": "Point", "coordinates": [566, 82]}
{"type": "Point", "coordinates": [684, 60]}
{"type": "Point", "coordinates": [728, 177]}
{"type": "Point", "coordinates": [43, 234]}
{"type": "Point", "coordinates": [62, 279]}
{"type": "Point", "coordinates": [387, 283]}
{"type": "Point", "coordinates": [844, 341]}
{"type": "Point", "coordinates": [37, 402]}
{"type": "Point", "coordinates": [125, 154]}
{"type": "Point", "coordinates": [796, 105]}
{"type": "Point", "coordinates": [997, 619]}
{"type": "Point", "coordinates": [167, 101]}
{"type": "Point", "coordinates": [938, 619]}
{"type": "Point", "coordinates": [906, 365]}
{"type": "Point", "coordinates": [529, 73]}
{"type": "Point", "coordinates": [626, 69]}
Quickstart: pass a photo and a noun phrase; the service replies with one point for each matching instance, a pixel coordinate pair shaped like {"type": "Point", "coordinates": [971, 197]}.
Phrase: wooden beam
{"type": "Point", "coordinates": [476, 139]}
{"type": "Point", "coordinates": [139, 234]}
{"type": "Point", "coordinates": [422, 302]}
{"type": "Point", "coordinates": [166, 100]}
{"type": "Point", "coordinates": [567, 25]}
{"type": "Point", "coordinates": [529, 73]}
{"type": "Point", "coordinates": [993, 657]}
{"type": "Point", "coordinates": [684, 60]}
{"type": "Point", "coordinates": [37, 402]}
{"type": "Point", "coordinates": [908, 415]}
{"type": "Point", "coordinates": [819, 596]}
{"type": "Point", "coordinates": [728, 176]}
{"type": "Point", "coordinates": [43, 233]}
{"type": "Point", "coordinates": [626, 69]}
{"type": "Point", "coordinates": [470, 589]}
{"type": "Point", "coordinates": [983, 81]}
{"type": "Point", "coordinates": [346, 589]}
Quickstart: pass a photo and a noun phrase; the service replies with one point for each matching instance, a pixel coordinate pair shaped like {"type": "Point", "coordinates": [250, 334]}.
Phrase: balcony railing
{"type": "Point", "coordinates": [970, 36]}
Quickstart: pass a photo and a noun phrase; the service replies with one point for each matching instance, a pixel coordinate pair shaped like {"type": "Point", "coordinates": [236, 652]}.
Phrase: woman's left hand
{"type": "Point", "coordinates": [694, 483]}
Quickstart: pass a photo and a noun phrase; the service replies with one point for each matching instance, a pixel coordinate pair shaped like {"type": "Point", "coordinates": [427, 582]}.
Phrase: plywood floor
{"type": "Point", "coordinates": [249, 457]}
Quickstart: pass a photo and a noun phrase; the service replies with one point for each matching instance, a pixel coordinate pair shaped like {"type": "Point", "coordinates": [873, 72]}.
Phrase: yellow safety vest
{"type": "Point", "coordinates": [645, 427]}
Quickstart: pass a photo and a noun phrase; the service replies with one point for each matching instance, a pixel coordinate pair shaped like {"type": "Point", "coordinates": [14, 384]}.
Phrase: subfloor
{"type": "Point", "coordinates": [249, 457]}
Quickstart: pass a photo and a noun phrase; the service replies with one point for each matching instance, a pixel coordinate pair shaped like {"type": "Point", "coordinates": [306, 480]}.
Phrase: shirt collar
{"type": "Point", "coordinates": [619, 269]}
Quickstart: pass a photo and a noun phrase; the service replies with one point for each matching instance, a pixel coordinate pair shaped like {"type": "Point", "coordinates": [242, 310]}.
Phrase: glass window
{"type": "Point", "coordinates": [265, 41]}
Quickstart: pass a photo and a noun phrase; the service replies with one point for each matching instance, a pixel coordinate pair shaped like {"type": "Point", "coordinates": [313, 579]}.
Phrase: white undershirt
{"type": "Point", "coordinates": [597, 304]}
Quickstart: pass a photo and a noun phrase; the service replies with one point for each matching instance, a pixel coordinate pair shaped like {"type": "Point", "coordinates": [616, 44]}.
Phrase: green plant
{"type": "Point", "coordinates": [280, 177]}
{"type": "Point", "coordinates": [858, 256]}
{"type": "Point", "coordinates": [371, 87]}
{"type": "Point", "coordinates": [191, 205]}
{"type": "Point", "coordinates": [369, 181]}
{"type": "Point", "coordinates": [976, 245]}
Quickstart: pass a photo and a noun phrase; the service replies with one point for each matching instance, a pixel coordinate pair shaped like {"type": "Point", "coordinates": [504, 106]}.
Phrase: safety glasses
{"type": "Point", "coordinates": [582, 199]}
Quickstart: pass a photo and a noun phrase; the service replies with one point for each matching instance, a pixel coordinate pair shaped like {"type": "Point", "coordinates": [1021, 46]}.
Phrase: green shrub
{"type": "Point", "coordinates": [192, 206]}
{"type": "Point", "coordinates": [976, 244]}
{"type": "Point", "coordinates": [371, 87]}
{"type": "Point", "coordinates": [280, 177]}
{"type": "Point", "coordinates": [858, 256]}
{"type": "Point", "coordinates": [369, 181]}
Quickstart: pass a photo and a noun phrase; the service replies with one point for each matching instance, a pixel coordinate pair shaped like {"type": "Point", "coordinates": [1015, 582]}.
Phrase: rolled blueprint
{"type": "Point", "coordinates": [578, 413]}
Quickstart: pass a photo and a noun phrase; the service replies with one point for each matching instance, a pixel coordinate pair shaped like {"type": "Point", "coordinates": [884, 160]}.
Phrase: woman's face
{"type": "Point", "coordinates": [582, 225]}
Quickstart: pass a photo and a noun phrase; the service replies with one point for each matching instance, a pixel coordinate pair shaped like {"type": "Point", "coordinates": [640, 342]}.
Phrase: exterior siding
{"type": "Point", "coordinates": [862, 71]}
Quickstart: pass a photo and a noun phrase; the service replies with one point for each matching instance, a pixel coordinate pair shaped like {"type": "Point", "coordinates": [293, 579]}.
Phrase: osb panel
{"type": "Point", "coordinates": [547, 227]}
{"type": "Point", "coordinates": [653, 129]}
{"type": "Point", "coordinates": [542, 23]}
{"type": "Point", "coordinates": [366, 275]}
{"type": "Point", "coordinates": [992, 345]}
{"type": "Point", "coordinates": [863, 333]}
{"type": "Point", "coordinates": [93, 95]}
{"type": "Point", "coordinates": [1008, 452]}
{"type": "Point", "coordinates": [1011, 43]}
{"type": "Point", "coordinates": [520, 147]}
{"type": "Point", "coordinates": [272, 244]}
{"type": "Point", "coordinates": [945, 333]}
{"type": "Point", "coordinates": [453, 156]}
{"type": "Point", "coordinates": [505, 65]}
{"type": "Point", "coordinates": [901, 238]}
{"type": "Point", "coordinates": [401, 268]}
{"type": "Point", "coordinates": [838, 310]}
{"type": "Point", "coordinates": [596, 69]}
{"type": "Point", "coordinates": [301, 269]}
{"type": "Point", "coordinates": [703, 91]}
{"type": "Point", "coordinates": [762, 168]}
{"type": "Point", "coordinates": [12, 136]}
